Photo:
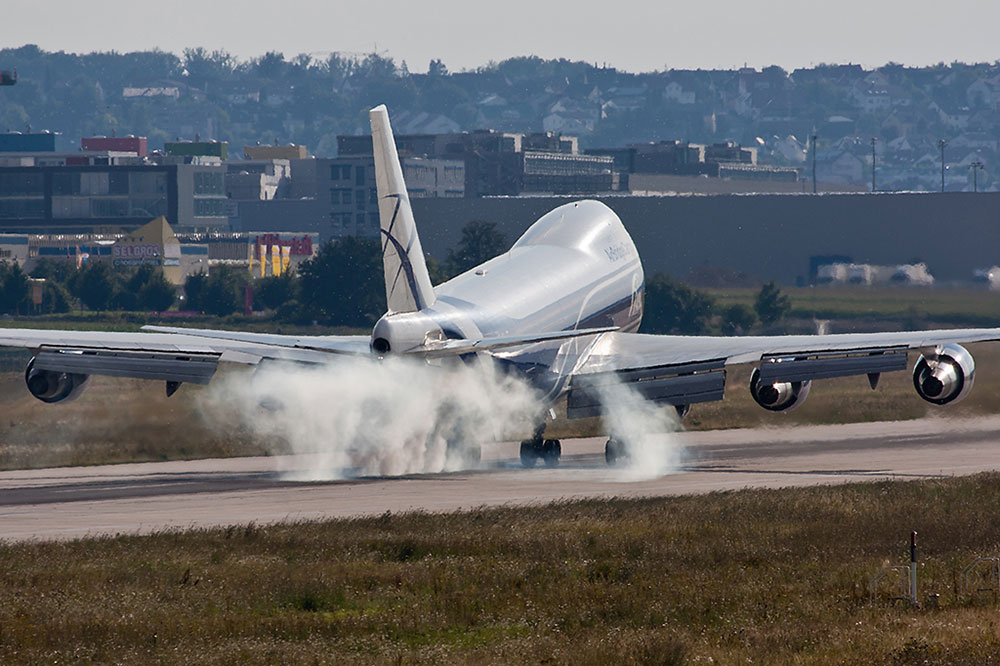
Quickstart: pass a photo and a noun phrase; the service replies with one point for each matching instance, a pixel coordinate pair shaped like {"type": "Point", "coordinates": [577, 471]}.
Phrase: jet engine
{"type": "Point", "coordinates": [779, 396]}
{"type": "Point", "coordinates": [53, 386]}
{"type": "Point", "coordinates": [945, 375]}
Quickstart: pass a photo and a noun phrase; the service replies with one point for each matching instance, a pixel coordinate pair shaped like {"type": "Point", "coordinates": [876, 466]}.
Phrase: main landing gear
{"type": "Point", "coordinates": [536, 448]}
{"type": "Point", "coordinates": [615, 452]}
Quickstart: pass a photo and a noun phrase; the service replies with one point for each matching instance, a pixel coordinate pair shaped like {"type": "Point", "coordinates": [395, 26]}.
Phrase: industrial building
{"type": "Point", "coordinates": [155, 243]}
{"type": "Point", "coordinates": [111, 198]}
{"type": "Point", "coordinates": [504, 163]}
{"type": "Point", "coordinates": [112, 186]}
{"type": "Point", "coordinates": [339, 195]}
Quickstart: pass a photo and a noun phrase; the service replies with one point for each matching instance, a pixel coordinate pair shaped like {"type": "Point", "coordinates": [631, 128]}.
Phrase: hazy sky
{"type": "Point", "coordinates": [635, 35]}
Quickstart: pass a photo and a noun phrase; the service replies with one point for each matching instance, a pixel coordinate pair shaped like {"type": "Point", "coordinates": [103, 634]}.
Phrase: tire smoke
{"type": "Point", "coordinates": [644, 429]}
{"type": "Point", "coordinates": [361, 416]}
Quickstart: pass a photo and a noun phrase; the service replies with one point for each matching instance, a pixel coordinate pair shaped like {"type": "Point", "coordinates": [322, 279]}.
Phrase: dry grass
{"type": "Point", "coordinates": [122, 420]}
{"type": "Point", "coordinates": [756, 576]}
{"type": "Point", "coordinates": [115, 420]}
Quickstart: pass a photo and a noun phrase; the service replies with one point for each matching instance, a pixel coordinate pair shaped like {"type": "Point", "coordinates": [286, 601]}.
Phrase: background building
{"type": "Point", "coordinates": [111, 198]}
{"type": "Point", "coordinates": [344, 189]}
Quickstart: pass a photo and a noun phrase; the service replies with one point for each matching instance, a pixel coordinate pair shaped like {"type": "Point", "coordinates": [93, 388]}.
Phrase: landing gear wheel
{"type": "Point", "coordinates": [614, 452]}
{"type": "Point", "coordinates": [551, 451]}
{"type": "Point", "coordinates": [529, 453]}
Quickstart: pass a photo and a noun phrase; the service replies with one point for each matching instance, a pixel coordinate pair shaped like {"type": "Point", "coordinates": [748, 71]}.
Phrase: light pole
{"type": "Point", "coordinates": [814, 161]}
{"type": "Point", "coordinates": [975, 166]}
{"type": "Point", "coordinates": [874, 139]}
{"type": "Point", "coordinates": [942, 143]}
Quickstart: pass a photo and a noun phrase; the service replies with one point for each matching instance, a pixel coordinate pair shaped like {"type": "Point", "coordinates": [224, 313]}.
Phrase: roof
{"type": "Point", "coordinates": [156, 232]}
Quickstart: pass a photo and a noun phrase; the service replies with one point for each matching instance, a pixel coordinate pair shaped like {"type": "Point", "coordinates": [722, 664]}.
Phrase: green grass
{"type": "Point", "coordinates": [755, 576]}
{"type": "Point", "coordinates": [853, 307]}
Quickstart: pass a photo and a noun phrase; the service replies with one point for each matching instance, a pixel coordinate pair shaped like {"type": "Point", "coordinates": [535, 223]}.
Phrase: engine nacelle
{"type": "Point", "coordinates": [945, 376]}
{"type": "Point", "coordinates": [779, 396]}
{"type": "Point", "coordinates": [52, 386]}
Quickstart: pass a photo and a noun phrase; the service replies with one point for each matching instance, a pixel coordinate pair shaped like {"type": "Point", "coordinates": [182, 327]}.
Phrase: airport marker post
{"type": "Point", "coordinates": [913, 568]}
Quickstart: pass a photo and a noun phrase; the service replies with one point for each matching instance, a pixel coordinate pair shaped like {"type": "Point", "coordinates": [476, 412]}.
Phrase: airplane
{"type": "Point", "coordinates": [560, 308]}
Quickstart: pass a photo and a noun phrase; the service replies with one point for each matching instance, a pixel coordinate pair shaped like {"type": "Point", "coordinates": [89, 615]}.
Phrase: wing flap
{"type": "Point", "coordinates": [828, 366]}
{"type": "Point", "coordinates": [190, 368]}
{"type": "Point", "coordinates": [668, 388]}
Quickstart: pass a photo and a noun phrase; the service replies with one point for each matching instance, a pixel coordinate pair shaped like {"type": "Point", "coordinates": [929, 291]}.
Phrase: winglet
{"type": "Point", "coordinates": [407, 284]}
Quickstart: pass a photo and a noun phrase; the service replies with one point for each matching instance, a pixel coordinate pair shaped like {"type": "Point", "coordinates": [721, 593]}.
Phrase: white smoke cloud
{"type": "Point", "coordinates": [358, 416]}
{"type": "Point", "coordinates": [361, 416]}
{"type": "Point", "coordinates": [644, 429]}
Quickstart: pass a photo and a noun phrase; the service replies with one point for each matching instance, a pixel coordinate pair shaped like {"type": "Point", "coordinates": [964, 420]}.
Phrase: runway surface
{"type": "Point", "coordinates": [63, 503]}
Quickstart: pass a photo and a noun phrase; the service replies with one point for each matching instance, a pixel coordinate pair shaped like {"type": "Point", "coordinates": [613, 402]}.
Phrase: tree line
{"type": "Point", "coordinates": [309, 100]}
{"type": "Point", "coordinates": [342, 285]}
{"type": "Point", "coordinates": [96, 285]}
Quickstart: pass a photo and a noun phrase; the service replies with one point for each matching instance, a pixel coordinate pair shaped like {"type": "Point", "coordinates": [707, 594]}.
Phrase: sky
{"type": "Point", "coordinates": [632, 35]}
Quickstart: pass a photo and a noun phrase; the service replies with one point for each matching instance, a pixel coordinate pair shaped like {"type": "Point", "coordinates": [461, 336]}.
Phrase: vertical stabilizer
{"type": "Point", "coordinates": [407, 283]}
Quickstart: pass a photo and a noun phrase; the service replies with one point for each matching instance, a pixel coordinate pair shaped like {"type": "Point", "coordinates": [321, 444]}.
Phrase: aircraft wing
{"type": "Point", "coordinates": [681, 370]}
{"type": "Point", "coordinates": [333, 344]}
{"type": "Point", "coordinates": [188, 356]}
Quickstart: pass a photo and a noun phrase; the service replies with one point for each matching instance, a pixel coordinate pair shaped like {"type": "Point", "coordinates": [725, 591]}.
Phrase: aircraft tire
{"type": "Point", "coordinates": [551, 452]}
{"type": "Point", "coordinates": [529, 453]}
{"type": "Point", "coordinates": [614, 453]}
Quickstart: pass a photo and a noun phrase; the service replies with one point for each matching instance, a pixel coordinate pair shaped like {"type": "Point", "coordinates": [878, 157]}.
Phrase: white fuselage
{"type": "Point", "coordinates": [576, 267]}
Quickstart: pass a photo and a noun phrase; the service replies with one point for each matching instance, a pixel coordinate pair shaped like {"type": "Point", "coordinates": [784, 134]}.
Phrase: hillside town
{"type": "Point", "coordinates": [926, 128]}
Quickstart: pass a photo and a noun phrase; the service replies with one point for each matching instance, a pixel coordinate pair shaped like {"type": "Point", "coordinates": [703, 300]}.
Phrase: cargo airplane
{"type": "Point", "coordinates": [560, 308]}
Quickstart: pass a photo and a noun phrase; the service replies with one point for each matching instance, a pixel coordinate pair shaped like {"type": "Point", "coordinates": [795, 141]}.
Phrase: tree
{"type": "Point", "coordinates": [771, 305]}
{"type": "Point", "coordinates": [738, 318]}
{"type": "Point", "coordinates": [344, 284]}
{"type": "Point", "coordinates": [437, 68]}
{"type": "Point", "coordinates": [14, 288]}
{"type": "Point", "coordinates": [96, 285]}
{"type": "Point", "coordinates": [480, 241]}
{"type": "Point", "coordinates": [674, 307]}
{"type": "Point", "coordinates": [194, 290]}
{"type": "Point", "coordinates": [273, 292]}
{"type": "Point", "coordinates": [151, 289]}
{"type": "Point", "coordinates": [55, 298]}
{"type": "Point", "coordinates": [55, 270]}
{"type": "Point", "coordinates": [218, 293]}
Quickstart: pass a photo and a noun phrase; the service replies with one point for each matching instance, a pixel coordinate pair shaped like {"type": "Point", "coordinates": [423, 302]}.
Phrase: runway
{"type": "Point", "coordinates": [64, 503]}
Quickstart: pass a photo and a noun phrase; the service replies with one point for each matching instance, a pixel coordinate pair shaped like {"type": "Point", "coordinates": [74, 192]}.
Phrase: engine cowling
{"type": "Point", "coordinates": [52, 386]}
{"type": "Point", "coordinates": [779, 396]}
{"type": "Point", "coordinates": [944, 376]}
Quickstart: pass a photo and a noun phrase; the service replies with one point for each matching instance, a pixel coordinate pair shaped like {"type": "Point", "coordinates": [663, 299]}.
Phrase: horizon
{"type": "Point", "coordinates": [289, 56]}
{"type": "Point", "coordinates": [639, 36]}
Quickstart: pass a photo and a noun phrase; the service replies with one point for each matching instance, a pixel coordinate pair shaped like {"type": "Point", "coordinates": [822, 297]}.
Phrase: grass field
{"type": "Point", "coordinates": [861, 308]}
{"type": "Point", "coordinates": [124, 420]}
{"type": "Point", "coordinates": [755, 576]}
{"type": "Point", "coordinates": [120, 420]}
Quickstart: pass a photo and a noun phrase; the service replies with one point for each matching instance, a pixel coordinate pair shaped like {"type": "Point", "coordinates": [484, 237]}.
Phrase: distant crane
{"type": "Point", "coordinates": [8, 77]}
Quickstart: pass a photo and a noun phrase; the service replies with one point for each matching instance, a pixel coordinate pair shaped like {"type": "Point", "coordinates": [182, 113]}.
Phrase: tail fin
{"type": "Point", "coordinates": [407, 283]}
